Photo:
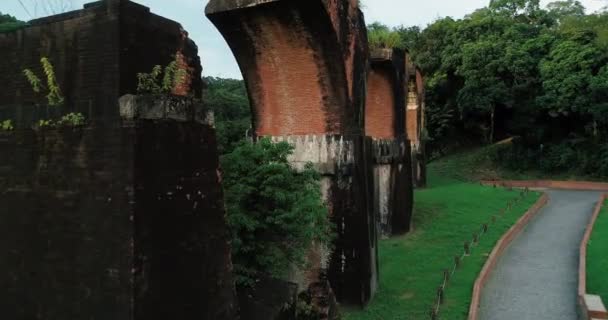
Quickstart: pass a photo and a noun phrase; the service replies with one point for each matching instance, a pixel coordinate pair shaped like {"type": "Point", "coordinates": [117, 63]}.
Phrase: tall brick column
{"type": "Point", "coordinates": [304, 63]}
{"type": "Point", "coordinates": [415, 121]}
{"type": "Point", "coordinates": [385, 119]}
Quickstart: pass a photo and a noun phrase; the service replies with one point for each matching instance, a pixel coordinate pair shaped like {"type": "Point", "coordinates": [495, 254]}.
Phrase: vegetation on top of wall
{"type": "Point", "coordinates": [71, 119]}
{"type": "Point", "coordinates": [381, 37]}
{"type": "Point", "coordinates": [275, 212]}
{"type": "Point", "coordinates": [9, 23]}
{"type": "Point", "coordinates": [152, 83]}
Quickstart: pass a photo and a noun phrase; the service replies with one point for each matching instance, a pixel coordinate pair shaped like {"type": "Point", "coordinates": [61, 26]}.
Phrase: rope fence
{"type": "Point", "coordinates": [448, 273]}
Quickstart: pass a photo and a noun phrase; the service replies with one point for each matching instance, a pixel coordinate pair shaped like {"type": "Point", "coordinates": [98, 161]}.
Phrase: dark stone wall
{"type": "Point", "coordinates": [114, 223]}
{"type": "Point", "coordinates": [123, 218]}
{"type": "Point", "coordinates": [96, 52]}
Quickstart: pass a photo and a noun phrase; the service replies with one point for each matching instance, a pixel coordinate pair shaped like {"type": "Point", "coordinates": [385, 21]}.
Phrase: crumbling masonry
{"type": "Point", "coordinates": [304, 63]}
{"type": "Point", "coordinates": [124, 218]}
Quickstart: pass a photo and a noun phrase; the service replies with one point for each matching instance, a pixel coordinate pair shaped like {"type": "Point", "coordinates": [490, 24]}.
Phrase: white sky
{"type": "Point", "coordinates": [217, 58]}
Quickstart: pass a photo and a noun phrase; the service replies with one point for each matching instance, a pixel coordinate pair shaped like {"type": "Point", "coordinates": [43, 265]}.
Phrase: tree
{"type": "Point", "coordinates": [9, 23]}
{"type": "Point", "coordinates": [566, 8]}
{"type": "Point", "coordinates": [227, 98]}
{"type": "Point", "coordinates": [275, 212]}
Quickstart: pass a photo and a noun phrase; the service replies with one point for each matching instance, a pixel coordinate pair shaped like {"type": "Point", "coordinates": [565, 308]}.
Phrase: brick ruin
{"type": "Point", "coordinates": [385, 123]}
{"type": "Point", "coordinates": [305, 63]}
{"type": "Point", "coordinates": [123, 218]}
{"type": "Point", "coordinates": [415, 121]}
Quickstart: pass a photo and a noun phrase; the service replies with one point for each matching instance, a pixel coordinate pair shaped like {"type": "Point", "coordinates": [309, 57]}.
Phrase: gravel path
{"type": "Point", "coordinates": [537, 276]}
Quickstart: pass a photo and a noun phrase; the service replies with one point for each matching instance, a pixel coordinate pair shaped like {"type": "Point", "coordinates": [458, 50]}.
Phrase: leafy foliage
{"type": "Point", "coordinates": [151, 83]}
{"type": "Point", "coordinates": [54, 96]}
{"type": "Point", "coordinates": [69, 120]}
{"type": "Point", "coordinates": [227, 98]}
{"type": "Point", "coordinates": [6, 125]}
{"type": "Point", "coordinates": [515, 69]}
{"type": "Point", "coordinates": [9, 23]}
{"type": "Point", "coordinates": [275, 212]}
{"type": "Point", "coordinates": [381, 37]}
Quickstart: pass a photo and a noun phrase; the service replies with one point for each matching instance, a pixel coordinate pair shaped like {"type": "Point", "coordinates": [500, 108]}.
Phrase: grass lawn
{"type": "Point", "coordinates": [597, 257]}
{"type": "Point", "coordinates": [446, 215]}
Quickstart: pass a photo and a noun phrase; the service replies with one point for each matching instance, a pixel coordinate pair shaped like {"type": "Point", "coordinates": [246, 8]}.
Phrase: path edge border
{"type": "Point", "coordinates": [582, 266]}
{"type": "Point", "coordinates": [549, 184]}
{"type": "Point", "coordinates": [497, 252]}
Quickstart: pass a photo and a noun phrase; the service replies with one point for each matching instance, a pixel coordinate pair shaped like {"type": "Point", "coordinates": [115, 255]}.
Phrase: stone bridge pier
{"type": "Point", "coordinates": [385, 123]}
{"type": "Point", "coordinates": [304, 63]}
{"type": "Point", "coordinates": [416, 121]}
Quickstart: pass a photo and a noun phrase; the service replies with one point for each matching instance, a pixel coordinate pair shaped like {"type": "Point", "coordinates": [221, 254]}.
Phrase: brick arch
{"type": "Point", "coordinates": [297, 60]}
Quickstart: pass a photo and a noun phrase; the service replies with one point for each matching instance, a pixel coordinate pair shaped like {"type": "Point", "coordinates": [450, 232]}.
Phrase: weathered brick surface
{"type": "Point", "coordinates": [380, 110]}
{"type": "Point", "coordinates": [304, 64]}
{"type": "Point", "coordinates": [96, 52]}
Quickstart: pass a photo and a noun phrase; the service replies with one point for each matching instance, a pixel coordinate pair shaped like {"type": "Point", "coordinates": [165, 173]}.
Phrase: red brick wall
{"type": "Point", "coordinates": [380, 106]}
{"type": "Point", "coordinates": [290, 101]}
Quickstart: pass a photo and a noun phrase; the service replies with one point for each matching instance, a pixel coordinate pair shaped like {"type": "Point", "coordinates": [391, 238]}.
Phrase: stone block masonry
{"type": "Point", "coordinates": [114, 223]}
{"type": "Point", "coordinates": [304, 63]}
{"type": "Point", "coordinates": [385, 123]}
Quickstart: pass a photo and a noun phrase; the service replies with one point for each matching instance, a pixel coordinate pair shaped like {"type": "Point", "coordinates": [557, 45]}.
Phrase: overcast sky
{"type": "Point", "coordinates": [215, 54]}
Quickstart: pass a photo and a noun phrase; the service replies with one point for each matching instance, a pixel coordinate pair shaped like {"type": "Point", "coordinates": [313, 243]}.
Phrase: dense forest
{"type": "Point", "coordinates": [514, 69]}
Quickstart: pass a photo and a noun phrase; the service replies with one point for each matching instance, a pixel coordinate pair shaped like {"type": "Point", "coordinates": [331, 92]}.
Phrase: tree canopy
{"type": "Point", "coordinates": [514, 68]}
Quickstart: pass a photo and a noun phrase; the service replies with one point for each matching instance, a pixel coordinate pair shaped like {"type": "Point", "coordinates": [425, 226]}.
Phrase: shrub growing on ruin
{"type": "Point", "coordinates": [6, 125]}
{"type": "Point", "coordinates": [381, 37]}
{"type": "Point", "coordinates": [152, 83]}
{"type": "Point", "coordinates": [275, 212]}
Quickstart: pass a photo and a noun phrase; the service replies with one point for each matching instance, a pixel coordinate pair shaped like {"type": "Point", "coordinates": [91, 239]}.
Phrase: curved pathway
{"type": "Point", "coordinates": [537, 276]}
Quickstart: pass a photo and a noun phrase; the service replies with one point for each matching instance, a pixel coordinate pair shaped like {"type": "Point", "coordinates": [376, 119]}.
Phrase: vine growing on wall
{"type": "Point", "coordinates": [54, 95]}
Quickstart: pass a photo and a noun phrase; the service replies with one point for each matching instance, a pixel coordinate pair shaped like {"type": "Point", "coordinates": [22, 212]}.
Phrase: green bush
{"type": "Point", "coordinates": [151, 83]}
{"type": "Point", "coordinates": [381, 37]}
{"type": "Point", "coordinates": [275, 212]}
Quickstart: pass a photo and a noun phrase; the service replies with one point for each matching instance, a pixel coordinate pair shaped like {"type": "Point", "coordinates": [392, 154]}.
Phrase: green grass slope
{"type": "Point", "coordinates": [597, 257]}
{"type": "Point", "coordinates": [446, 215]}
